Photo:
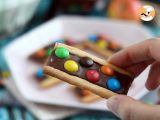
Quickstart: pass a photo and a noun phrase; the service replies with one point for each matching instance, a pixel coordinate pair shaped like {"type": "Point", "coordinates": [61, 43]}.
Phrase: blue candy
{"type": "Point", "coordinates": [92, 38]}
{"type": "Point", "coordinates": [39, 73]}
{"type": "Point", "coordinates": [113, 84]}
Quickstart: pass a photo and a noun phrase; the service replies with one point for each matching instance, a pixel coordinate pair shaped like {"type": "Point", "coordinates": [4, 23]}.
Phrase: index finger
{"type": "Point", "coordinates": [146, 50]}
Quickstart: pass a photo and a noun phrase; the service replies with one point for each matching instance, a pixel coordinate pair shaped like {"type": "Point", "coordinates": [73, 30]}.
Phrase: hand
{"type": "Point", "coordinates": [135, 59]}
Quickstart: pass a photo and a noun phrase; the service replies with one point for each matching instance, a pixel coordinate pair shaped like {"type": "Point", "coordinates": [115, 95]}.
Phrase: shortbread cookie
{"type": "Point", "coordinates": [87, 71]}
{"type": "Point", "coordinates": [45, 81]}
{"type": "Point", "coordinates": [104, 42]}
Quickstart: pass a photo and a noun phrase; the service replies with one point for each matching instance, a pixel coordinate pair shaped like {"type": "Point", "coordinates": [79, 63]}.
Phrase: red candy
{"type": "Point", "coordinates": [92, 76]}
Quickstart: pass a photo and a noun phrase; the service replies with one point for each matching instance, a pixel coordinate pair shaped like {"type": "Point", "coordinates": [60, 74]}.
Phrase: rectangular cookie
{"type": "Point", "coordinates": [45, 81]}
{"type": "Point", "coordinates": [104, 42]}
{"type": "Point", "coordinates": [101, 45]}
{"type": "Point", "coordinates": [49, 82]}
{"type": "Point", "coordinates": [87, 71]}
{"type": "Point", "coordinates": [105, 53]}
{"type": "Point", "coordinates": [39, 56]}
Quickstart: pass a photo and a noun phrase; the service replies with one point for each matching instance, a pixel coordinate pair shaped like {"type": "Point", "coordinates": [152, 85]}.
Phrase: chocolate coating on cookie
{"type": "Point", "coordinates": [99, 78]}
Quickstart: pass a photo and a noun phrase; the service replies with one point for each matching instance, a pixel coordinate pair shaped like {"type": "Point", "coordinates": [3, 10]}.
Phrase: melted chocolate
{"type": "Point", "coordinates": [59, 64]}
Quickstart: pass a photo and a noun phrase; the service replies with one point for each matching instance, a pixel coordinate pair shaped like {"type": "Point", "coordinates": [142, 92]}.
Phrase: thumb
{"type": "Point", "coordinates": [129, 109]}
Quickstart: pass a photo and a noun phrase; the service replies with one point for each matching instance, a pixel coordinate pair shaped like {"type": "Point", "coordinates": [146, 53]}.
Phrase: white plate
{"type": "Point", "coordinates": [77, 27]}
{"type": "Point", "coordinates": [41, 111]}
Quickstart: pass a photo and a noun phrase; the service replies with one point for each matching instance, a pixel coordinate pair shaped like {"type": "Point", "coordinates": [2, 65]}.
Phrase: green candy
{"type": "Point", "coordinates": [61, 52]}
{"type": "Point", "coordinates": [49, 51]}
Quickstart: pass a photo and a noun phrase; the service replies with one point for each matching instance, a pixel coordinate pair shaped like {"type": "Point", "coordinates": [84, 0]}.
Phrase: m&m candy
{"type": "Point", "coordinates": [102, 44]}
{"type": "Point", "coordinates": [92, 38]}
{"type": "Point", "coordinates": [62, 52]}
{"type": "Point", "coordinates": [49, 51]}
{"type": "Point", "coordinates": [40, 53]}
{"type": "Point", "coordinates": [5, 74]}
{"type": "Point", "coordinates": [71, 66]}
{"type": "Point", "coordinates": [92, 76]}
{"type": "Point", "coordinates": [113, 45]}
{"type": "Point", "coordinates": [86, 61]}
{"type": "Point", "coordinates": [107, 70]}
{"type": "Point", "coordinates": [113, 84]}
{"type": "Point", "coordinates": [39, 73]}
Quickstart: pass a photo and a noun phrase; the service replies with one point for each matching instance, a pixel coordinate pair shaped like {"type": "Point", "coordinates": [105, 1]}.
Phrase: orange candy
{"type": "Point", "coordinates": [40, 53]}
{"type": "Point", "coordinates": [107, 70]}
{"type": "Point", "coordinates": [113, 45]}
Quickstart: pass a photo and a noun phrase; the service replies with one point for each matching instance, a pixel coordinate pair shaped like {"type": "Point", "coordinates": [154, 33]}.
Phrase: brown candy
{"type": "Point", "coordinates": [86, 62]}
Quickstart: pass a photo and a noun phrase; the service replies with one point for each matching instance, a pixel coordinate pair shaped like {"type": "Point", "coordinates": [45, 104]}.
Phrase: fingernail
{"type": "Point", "coordinates": [113, 104]}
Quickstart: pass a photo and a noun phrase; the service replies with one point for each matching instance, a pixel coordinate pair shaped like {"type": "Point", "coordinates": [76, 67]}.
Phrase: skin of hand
{"type": "Point", "coordinates": [135, 59]}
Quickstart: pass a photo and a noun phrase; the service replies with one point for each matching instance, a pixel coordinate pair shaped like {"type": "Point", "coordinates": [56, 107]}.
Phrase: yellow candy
{"type": "Point", "coordinates": [5, 74]}
{"type": "Point", "coordinates": [71, 66]}
{"type": "Point", "coordinates": [102, 44]}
